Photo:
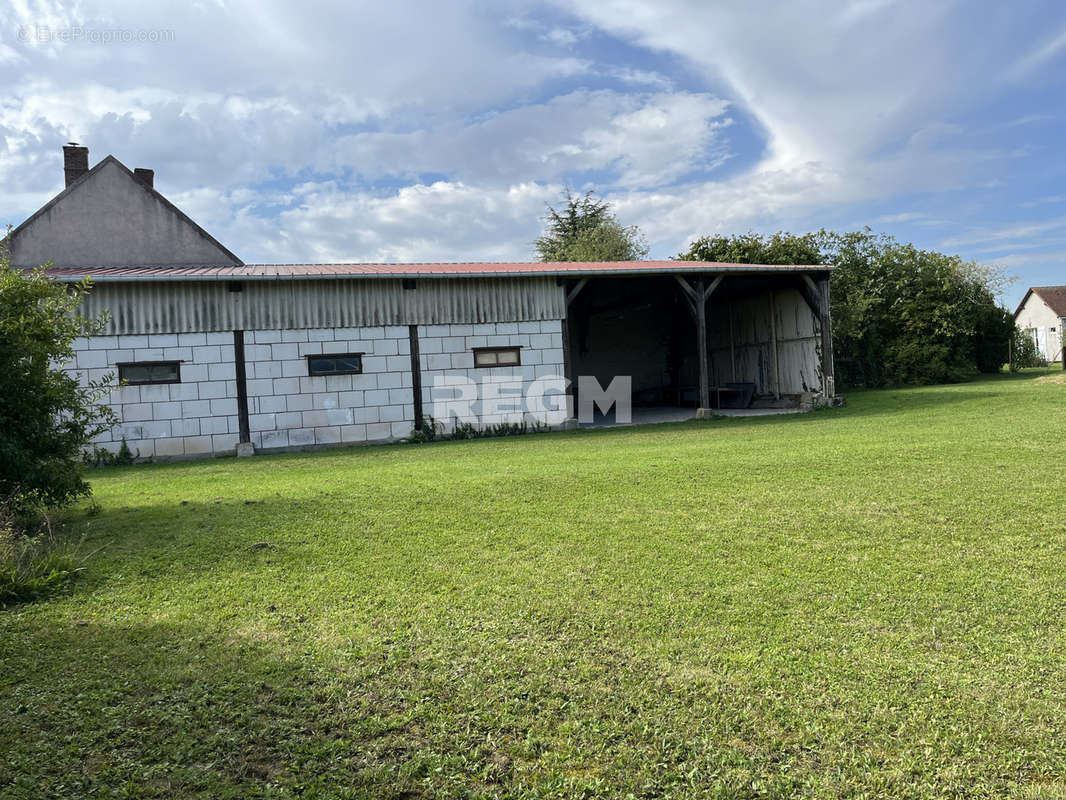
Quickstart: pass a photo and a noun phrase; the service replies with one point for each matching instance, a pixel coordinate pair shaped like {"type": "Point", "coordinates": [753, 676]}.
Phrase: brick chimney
{"type": "Point", "coordinates": [145, 176]}
{"type": "Point", "coordinates": [75, 161]}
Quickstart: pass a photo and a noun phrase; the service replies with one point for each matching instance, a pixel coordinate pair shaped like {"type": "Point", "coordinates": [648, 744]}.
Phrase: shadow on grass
{"type": "Point", "coordinates": [169, 710]}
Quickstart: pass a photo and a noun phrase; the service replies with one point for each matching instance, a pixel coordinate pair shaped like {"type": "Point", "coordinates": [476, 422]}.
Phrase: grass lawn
{"type": "Point", "coordinates": [867, 601]}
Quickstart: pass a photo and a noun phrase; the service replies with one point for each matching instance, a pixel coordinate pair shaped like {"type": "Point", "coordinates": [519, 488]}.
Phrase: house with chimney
{"type": "Point", "coordinates": [1041, 316]}
{"type": "Point", "coordinates": [215, 356]}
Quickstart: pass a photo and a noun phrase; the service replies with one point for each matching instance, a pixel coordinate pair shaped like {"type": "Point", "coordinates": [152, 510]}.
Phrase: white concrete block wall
{"type": "Point", "coordinates": [289, 408]}
{"type": "Point", "coordinates": [193, 418]}
{"type": "Point", "coordinates": [447, 351]}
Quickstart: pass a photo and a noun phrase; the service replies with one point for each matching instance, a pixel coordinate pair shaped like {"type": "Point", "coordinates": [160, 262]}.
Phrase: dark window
{"type": "Point", "coordinates": [150, 372]}
{"type": "Point", "coordinates": [409, 284]}
{"type": "Point", "coordinates": [335, 364]}
{"type": "Point", "coordinates": [497, 356]}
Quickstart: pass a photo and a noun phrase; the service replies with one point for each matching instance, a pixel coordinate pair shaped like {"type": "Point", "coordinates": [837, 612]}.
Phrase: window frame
{"type": "Point", "coordinates": [311, 373]}
{"type": "Point", "coordinates": [124, 381]}
{"type": "Point", "coordinates": [477, 351]}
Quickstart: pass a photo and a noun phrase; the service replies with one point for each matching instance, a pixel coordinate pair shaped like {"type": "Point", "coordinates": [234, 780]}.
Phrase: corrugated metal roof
{"type": "Point", "coordinates": [472, 269]}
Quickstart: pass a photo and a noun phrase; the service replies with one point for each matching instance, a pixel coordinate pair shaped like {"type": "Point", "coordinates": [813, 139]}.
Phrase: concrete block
{"type": "Point", "coordinates": [365, 414]}
{"type": "Point", "coordinates": [331, 435]}
{"type": "Point", "coordinates": [453, 344]}
{"type": "Point", "coordinates": [338, 383]}
{"type": "Point", "coordinates": [296, 368]}
{"type": "Point", "coordinates": [168, 410]}
{"type": "Point", "coordinates": [464, 360]}
{"type": "Point", "coordinates": [196, 409]}
{"type": "Point", "coordinates": [541, 341]}
{"type": "Point", "coordinates": [294, 335]}
{"type": "Point", "coordinates": [529, 327]}
{"type": "Point", "coordinates": [136, 412]}
{"type": "Point", "coordinates": [377, 397]}
{"type": "Point", "coordinates": [101, 343]}
{"type": "Point", "coordinates": [375, 363]}
{"type": "Point", "coordinates": [324, 400]}
{"type": "Point", "coordinates": [88, 359]}
{"type": "Point", "coordinates": [312, 384]}
{"type": "Point", "coordinates": [212, 390]}
{"type": "Point", "coordinates": [155, 393]}
{"type": "Point", "coordinates": [271, 404]}
{"type": "Point", "coordinates": [214, 425]}
{"type": "Point", "coordinates": [386, 347]}
{"type": "Point", "coordinates": [193, 373]}
{"type": "Point", "coordinates": [126, 394]}
{"type": "Point", "coordinates": [221, 337]}
{"type": "Point", "coordinates": [315, 419]}
{"type": "Point", "coordinates": [221, 372]}
{"type": "Point", "coordinates": [260, 387]}
{"type": "Point", "coordinates": [301, 436]}
{"type": "Point", "coordinates": [267, 337]}
{"type": "Point", "coordinates": [434, 330]}
{"type": "Point", "coordinates": [353, 433]}
{"type": "Point", "coordinates": [390, 413]}
{"type": "Point", "coordinates": [349, 399]}
{"type": "Point", "coordinates": [208, 354]}
{"type": "Point", "coordinates": [506, 327]}
{"type": "Point", "coordinates": [289, 419]}
{"type": "Point", "coordinates": [364, 381]}
{"type": "Point", "coordinates": [192, 339]}
{"type": "Point", "coordinates": [299, 402]}
{"type": "Point", "coordinates": [197, 445]}
{"type": "Point", "coordinates": [265, 369]}
{"type": "Point", "coordinates": [148, 354]}
{"type": "Point", "coordinates": [320, 335]}
{"type": "Point", "coordinates": [400, 396]}
{"type": "Point", "coordinates": [286, 385]}
{"type": "Point", "coordinates": [430, 345]}
{"type": "Point", "coordinates": [132, 341]}
{"type": "Point", "coordinates": [339, 416]}
{"type": "Point", "coordinates": [257, 352]}
{"type": "Point", "coordinates": [550, 326]}
{"type": "Point", "coordinates": [396, 332]}
{"type": "Point", "coordinates": [246, 449]}
{"type": "Point", "coordinates": [401, 430]}
{"type": "Point", "coordinates": [439, 361]}
{"type": "Point", "coordinates": [310, 348]}
{"type": "Point", "coordinates": [275, 439]}
{"type": "Point", "coordinates": [372, 332]}
{"type": "Point", "coordinates": [390, 380]}
{"type": "Point", "coordinates": [485, 329]}
{"type": "Point", "coordinates": [224, 407]}
{"type": "Point", "coordinates": [476, 341]}
{"type": "Point", "coordinates": [554, 356]}
{"type": "Point", "coordinates": [185, 427]}
{"type": "Point", "coordinates": [261, 422]}
{"type": "Point", "coordinates": [162, 340]}
{"type": "Point", "coordinates": [379, 431]}
{"type": "Point", "coordinates": [184, 391]}
{"type": "Point", "coordinates": [223, 442]}
{"type": "Point", "coordinates": [142, 448]}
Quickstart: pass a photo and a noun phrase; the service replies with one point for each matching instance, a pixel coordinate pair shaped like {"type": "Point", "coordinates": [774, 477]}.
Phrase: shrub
{"type": "Point", "coordinates": [47, 417]}
{"type": "Point", "coordinates": [1025, 352]}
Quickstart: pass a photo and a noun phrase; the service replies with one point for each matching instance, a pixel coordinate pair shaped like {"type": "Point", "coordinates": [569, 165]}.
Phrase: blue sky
{"type": "Point", "coordinates": [438, 130]}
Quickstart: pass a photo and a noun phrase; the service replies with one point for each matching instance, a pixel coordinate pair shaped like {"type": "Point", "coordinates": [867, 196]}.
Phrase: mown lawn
{"type": "Point", "coordinates": [867, 601]}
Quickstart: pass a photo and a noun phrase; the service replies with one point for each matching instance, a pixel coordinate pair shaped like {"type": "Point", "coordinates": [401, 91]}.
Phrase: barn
{"type": "Point", "coordinates": [216, 356]}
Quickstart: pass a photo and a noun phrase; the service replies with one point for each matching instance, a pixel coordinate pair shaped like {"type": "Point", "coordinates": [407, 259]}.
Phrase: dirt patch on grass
{"type": "Point", "coordinates": [1053, 378]}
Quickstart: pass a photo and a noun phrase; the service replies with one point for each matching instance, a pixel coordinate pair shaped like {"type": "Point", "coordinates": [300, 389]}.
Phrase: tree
{"type": "Point", "coordinates": [584, 229]}
{"type": "Point", "coordinates": [47, 417]}
{"type": "Point", "coordinates": [900, 314]}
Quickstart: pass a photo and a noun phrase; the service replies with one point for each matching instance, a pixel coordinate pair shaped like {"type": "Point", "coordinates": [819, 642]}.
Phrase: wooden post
{"type": "Point", "coordinates": [828, 373]}
{"type": "Point", "coordinates": [732, 347]}
{"type": "Point", "coordinates": [416, 376]}
{"type": "Point", "coordinates": [243, 428]}
{"type": "Point", "coordinates": [701, 344]}
{"type": "Point", "coordinates": [773, 346]}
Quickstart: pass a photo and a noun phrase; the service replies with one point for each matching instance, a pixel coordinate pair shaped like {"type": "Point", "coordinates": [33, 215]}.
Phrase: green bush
{"type": "Point", "coordinates": [1025, 353]}
{"type": "Point", "coordinates": [47, 418]}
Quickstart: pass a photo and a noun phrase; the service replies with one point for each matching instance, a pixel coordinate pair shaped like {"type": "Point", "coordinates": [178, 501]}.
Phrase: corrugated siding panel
{"type": "Point", "coordinates": [193, 306]}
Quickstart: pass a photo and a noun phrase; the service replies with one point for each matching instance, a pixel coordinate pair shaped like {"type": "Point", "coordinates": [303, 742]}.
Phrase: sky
{"type": "Point", "coordinates": [439, 130]}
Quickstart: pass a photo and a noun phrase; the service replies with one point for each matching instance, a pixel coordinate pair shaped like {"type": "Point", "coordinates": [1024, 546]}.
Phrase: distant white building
{"type": "Point", "coordinates": [216, 355]}
{"type": "Point", "coordinates": [1042, 314]}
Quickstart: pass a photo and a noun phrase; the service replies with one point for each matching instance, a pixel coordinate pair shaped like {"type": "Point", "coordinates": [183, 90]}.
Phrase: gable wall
{"type": "Point", "coordinates": [1036, 314]}
{"type": "Point", "coordinates": [111, 220]}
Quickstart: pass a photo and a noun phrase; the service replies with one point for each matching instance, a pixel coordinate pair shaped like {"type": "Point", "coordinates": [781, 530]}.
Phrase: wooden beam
{"type": "Point", "coordinates": [714, 285]}
{"type": "Point", "coordinates": [732, 347]}
{"type": "Point", "coordinates": [773, 345]}
{"type": "Point", "coordinates": [701, 343]}
{"type": "Point", "coordinates": [826, 323]}
{"type": "Point", "coordinates": [812, 294]}
{"type": "Point", "coordinates": [684, 284]}
{"type": "Point", "coordinates": [573, 293]}
{"type": "Point", "coordinates": [243, 429]}
{"type": "Point", "coordinates": [416, 375]}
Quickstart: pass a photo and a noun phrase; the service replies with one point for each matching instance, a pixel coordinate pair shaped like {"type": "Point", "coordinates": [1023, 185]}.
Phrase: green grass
{"type": "Point", "coordinates": [867, 601]}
